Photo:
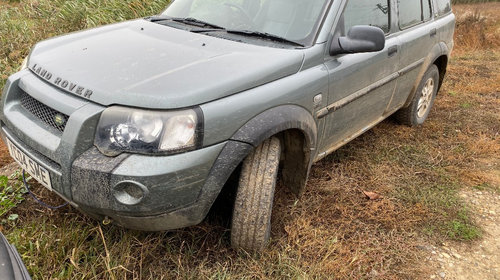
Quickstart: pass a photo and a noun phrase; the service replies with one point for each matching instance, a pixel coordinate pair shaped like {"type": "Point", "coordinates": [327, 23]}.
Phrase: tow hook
{"type": "Point", "coordinates": [106, 221]}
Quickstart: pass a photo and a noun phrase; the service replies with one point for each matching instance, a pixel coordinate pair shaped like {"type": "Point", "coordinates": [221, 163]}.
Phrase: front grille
{"type": "Point", "coordinates": [48, 115]}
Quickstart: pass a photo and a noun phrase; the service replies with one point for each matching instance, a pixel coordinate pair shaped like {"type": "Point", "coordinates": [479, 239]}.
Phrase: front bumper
{"type": "Point", "coordinates": [135, 191]}
{"type": "Point", "coordinates": [156, 188]}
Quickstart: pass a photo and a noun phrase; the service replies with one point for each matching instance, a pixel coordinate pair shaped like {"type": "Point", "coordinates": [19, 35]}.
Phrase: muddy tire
{"type": "Point", "coordinates": [418, 110]}
{"type": "Point", "coordinates": [251, 222]}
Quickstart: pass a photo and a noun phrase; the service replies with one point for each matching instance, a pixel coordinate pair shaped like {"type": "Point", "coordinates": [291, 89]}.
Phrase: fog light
{"type": "Point", "coordinates": [129, 192]}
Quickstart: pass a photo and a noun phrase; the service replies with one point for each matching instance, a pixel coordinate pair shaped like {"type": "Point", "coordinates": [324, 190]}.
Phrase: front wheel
{"type": "Point", "coordinates": [251, 223]}
{"type": "Point", "coordinates": [418, 110]}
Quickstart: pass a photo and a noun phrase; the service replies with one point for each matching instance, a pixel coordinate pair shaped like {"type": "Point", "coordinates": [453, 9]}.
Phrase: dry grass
{"type": "Point", "coordinates": [478, 27]}
{"type": "Point", "coordinates": [333, 231]}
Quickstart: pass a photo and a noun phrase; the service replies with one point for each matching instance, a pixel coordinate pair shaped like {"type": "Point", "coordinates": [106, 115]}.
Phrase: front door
{"type": "Point", "coordinates": [360, 85]}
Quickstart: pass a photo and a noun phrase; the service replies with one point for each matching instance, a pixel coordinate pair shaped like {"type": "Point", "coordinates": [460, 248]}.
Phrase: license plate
{"type": "Point", "coordinates": [29, 165]}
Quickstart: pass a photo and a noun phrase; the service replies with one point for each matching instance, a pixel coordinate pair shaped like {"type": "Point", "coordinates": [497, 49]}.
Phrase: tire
{"type": "Point", "coordinates": [251, 222]}
{"type": "Point", "coordinates": [418, 110]}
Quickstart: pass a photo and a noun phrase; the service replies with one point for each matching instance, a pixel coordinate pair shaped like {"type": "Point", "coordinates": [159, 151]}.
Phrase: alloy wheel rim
{"type": "Point", "coordinates": [424, 103]}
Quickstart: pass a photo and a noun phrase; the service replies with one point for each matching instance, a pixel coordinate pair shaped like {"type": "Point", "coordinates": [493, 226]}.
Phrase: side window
{"type": "Point", "coordinates": [426, 9]}
{"type": "Point", "coordinates": [367, 12]}
{"type": "Point", "coordinates": [443, 7]}
{"type": "Point", "coordinates": [410, 12]}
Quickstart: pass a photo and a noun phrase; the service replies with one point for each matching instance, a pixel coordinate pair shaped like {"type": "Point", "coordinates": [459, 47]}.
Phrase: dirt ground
{"type": "Point", "coordinates": [479, 260]}
{"type": "Point", "coordinates": [5, 158]}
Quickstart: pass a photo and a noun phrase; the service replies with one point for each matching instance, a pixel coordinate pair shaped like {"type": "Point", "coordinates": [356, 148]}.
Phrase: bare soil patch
{"type": "Point", "coordinates": [5, 158]}
{"type": "Point", "coordinates": [478, 260]}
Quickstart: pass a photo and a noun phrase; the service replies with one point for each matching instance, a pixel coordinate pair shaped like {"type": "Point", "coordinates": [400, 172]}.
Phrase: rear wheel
{"type": "Point", "coordinates": [251, 222]}
{"type": "Point", "coordinates": [418, 110]}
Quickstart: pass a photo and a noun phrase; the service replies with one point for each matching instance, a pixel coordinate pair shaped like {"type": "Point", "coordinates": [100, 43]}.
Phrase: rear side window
{"type": "Point", "coordinates": [426, 9]}
{"type": "Point", "coordinates": [367, 12]}
{"type": "Point", "coordinates": [412, 12]}
{"type": "Point", "coordinates": [443, 7]}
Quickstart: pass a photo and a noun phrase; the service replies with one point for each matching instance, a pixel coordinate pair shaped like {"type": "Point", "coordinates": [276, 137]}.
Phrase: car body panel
{"type": "Point", "coordinates": [358, 101]}
{"type": "Point", "coordinates": [224, 117]}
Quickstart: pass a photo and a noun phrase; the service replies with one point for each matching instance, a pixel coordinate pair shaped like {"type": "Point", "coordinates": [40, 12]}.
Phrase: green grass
{"type": "Point", "coordinates": [458, 230]}
{"type": "Point", "coordinates": [485, 186]}
{"type": "Point", "coordinates": [466, 105]}
{"type": "Point", "coordinates": [11, 194]}
{"type": "Point", "coordinates": [438, 192]}
{"type": "Point", "coordinates": [24, 24]}
{"type": "Point", "coordinates": [461, 228]}
{"type": "Point", "coordinates": [74, 248]}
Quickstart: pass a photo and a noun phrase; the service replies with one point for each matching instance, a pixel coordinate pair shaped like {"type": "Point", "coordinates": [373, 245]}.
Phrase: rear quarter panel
{"type": "Point", "coordinates": [446, 27]}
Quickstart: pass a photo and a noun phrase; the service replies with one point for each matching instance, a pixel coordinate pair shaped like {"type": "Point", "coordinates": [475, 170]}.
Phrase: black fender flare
{"type": "Point", "coordinates": [249, 136]}
{"type": "Point", "coordinates": [299, 152]}
{"type": "Point", "coordinates": [276, 120]}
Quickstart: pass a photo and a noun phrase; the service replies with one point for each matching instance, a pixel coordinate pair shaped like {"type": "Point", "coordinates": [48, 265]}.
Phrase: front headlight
{"type": "Point", "coordinates": [124, 129]}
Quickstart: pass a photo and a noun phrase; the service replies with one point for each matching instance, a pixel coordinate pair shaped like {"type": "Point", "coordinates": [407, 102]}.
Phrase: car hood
{"type": "Point", "coordinates": [143, 64]}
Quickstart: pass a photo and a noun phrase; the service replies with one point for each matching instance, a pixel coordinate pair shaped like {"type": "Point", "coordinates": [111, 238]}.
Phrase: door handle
{"type": "Point", "coordinates": [433, 32]}
{"type": "Point", "coordinates": [392, 51]}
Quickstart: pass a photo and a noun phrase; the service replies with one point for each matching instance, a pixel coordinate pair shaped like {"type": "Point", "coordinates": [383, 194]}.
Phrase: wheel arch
{"type": "Point", "coordinates": [442, 64]}
{"type": "Point", "coordinates": [296, 129]}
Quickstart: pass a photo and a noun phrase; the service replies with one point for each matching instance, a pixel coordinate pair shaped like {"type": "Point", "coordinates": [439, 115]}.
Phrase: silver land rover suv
{"type": "Point", "coordinates": [142, 122]}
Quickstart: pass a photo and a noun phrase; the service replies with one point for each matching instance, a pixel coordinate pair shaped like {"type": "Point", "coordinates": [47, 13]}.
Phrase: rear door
{"type": "Point", "coordinates": [360, 85]}
{"type": "Point", "coordinates": [418, 35]}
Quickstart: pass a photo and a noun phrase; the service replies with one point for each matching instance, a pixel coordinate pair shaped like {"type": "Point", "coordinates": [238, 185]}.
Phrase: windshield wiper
{"type": "Point", "coordinates": [157, 18]}
{"type": "Point", "coordinates": [188, 20]}
{"type": "Point", "coordinates": [200, 23]}
{"type": "Point", "coordinates": [263, 35]}
{"type": "Point", "coordinates": [197, 22]}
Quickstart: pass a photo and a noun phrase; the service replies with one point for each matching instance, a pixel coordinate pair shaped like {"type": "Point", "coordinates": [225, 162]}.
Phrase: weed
{"type": "Point", "coordinates": [29, 22]}
{"type": "Point", "coordinates": [476, 28]}
{"type": "Point", "coordinates": [466, 105]}
{"type": "Point", "coordinates": [11, 194]}
{"type": "Point", "coordinates": [462, 230]}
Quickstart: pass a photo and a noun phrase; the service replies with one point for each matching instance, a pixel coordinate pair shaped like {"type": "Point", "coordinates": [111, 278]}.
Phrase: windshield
{"type": "Point", "coordinates": [294, 20]}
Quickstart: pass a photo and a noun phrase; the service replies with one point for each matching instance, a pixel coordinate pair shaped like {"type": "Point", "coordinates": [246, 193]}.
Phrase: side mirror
{"type": "Point", "coordinates": [359, 39]}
